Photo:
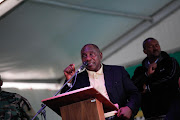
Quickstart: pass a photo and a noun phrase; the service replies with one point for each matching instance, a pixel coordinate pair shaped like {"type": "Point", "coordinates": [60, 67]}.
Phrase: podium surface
{"type": "Point", "coordinates": [75, 96]}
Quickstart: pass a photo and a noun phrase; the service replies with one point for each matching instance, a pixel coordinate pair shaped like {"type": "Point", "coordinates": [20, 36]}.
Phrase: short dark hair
{"type": "Point", "coordinates": [144, 43]}
{"type": "Point", "coordinates": [95, 46]}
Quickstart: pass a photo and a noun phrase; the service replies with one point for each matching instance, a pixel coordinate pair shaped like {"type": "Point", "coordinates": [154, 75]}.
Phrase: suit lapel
{"type": "Point", "coordinates": [84, 79]}
{"type": "Point", "coordinates": [108, 77]}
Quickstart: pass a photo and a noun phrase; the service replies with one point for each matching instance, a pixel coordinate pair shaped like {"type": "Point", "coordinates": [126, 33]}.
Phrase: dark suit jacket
{"type": "Point", "coordinates": [119, 87]}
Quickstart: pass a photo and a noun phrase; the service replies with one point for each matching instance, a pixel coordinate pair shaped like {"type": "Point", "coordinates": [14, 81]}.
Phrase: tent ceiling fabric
{"type": "Point", "coordinates": [39, 38]}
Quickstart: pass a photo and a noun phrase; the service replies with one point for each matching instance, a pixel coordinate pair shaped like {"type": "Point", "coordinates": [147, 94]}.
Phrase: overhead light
{"type": "Point", "coordinates": [47, 86]}
{"type": "Point", "coordinates": [1, 1]}
{"type": "Point", "coordinates": [6, 5]}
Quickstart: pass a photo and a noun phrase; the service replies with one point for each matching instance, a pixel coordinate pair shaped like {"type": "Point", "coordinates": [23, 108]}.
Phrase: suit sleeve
{"type": "Point", "coordinates": [134, 97]}
{"type": "Point", "coordinates": [66, 87]}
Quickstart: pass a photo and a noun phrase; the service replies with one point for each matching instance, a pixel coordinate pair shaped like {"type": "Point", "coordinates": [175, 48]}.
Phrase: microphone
{"type": "Point", "coordinates": [82, 66]}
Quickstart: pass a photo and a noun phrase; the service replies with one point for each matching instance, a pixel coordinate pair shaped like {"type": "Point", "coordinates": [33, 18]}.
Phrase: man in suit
{"type": "Point", "coordinates": [111, 81]}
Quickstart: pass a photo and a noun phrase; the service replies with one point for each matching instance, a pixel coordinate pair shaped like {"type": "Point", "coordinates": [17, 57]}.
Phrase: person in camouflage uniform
{"type": "Point", "coordinates": [14, 107]}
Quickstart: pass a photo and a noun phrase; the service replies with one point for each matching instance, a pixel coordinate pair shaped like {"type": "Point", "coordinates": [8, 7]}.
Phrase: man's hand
{"type": "Point", "coordinates": [151, 68]}
{"type": "Point", "coordinates": [144, 88]}
{"type": "Point", "coordinates": [69, 71]}
{"type": "Point", "coordinates": [124, 113]}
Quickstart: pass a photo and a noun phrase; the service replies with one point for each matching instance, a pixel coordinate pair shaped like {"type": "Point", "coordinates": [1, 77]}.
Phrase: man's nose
{"type": "Point", "coordinates": [155, 47]}
{"type": "Point", "coordinates": [88, 58]}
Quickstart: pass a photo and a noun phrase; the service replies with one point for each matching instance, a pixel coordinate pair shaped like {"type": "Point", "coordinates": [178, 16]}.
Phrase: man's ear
{"type": "Point", "coordinates": [145, 51]}
{"type": "Point", "coordinates": [101, 55]}
{"type": "Point", "coordinates": [1, 82]}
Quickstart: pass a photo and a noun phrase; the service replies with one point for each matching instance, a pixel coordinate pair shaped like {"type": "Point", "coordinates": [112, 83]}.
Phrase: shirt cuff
{"type": "Point", "coordinates": [146, 74]}
{"type": "Point", "coordinates": [69, 84]}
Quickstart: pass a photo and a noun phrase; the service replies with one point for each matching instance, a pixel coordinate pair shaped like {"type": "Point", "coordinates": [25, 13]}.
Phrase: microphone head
{"type": "Point", "coordinates": [83, 66]}
{"type": "Point", "coordinates": [85, 63]}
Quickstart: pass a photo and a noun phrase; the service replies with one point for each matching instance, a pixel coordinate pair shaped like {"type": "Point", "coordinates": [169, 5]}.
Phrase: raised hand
{"type": "Point", "coordinates": [69, 71]}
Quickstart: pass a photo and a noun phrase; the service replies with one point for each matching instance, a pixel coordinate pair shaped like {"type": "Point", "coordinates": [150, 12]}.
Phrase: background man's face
{"type": "Point", "coordinates": [152, 49]}
{"type": "Point", "coordinates": [93, 56]}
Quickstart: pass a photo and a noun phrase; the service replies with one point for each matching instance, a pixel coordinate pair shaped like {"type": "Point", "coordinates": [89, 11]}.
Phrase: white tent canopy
{"type": "Point", "coordinates": [39, 38]}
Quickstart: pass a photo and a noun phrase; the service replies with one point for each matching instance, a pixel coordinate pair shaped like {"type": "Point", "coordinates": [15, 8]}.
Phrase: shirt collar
{"type": "Point", "coordinates": [99, 72]}
{"type": "Point", "coordinates": [154, 62]}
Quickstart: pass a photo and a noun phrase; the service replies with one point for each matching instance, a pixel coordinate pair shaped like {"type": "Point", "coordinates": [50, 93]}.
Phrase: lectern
{"type": "Point", "coordinates": [81, 104]}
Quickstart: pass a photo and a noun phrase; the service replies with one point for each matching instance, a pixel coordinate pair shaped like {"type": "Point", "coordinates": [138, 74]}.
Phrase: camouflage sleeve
{"type": "Point", "coordinates": [15, 107]}
{"type": "Point", "coordinates": [27, 109]}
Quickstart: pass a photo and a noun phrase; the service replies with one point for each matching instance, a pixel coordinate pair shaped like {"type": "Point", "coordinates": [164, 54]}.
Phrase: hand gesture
{"type": "Point", "coordinates": [151, 68]}
{"type": "Point", "coordinates": [69, 71]}
{"type": "Point", "coordinates": [124, 113]}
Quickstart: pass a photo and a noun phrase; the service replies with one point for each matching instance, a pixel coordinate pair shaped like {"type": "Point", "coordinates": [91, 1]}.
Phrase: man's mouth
{"type": "Point", "coordinates": [90, 64]}
{"type": "Point", "coordinates": [156, 51]}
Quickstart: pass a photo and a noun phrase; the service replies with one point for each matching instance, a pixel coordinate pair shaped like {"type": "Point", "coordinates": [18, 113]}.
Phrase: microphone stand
{"type": "Point", "coordinates": [43, 105]}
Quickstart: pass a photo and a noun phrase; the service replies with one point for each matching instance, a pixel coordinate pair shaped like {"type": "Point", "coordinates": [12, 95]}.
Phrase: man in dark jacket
{"type": "Point", "coordinates": [157, 80]}
{"type": "Point", "coordinates": [111, 81]}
